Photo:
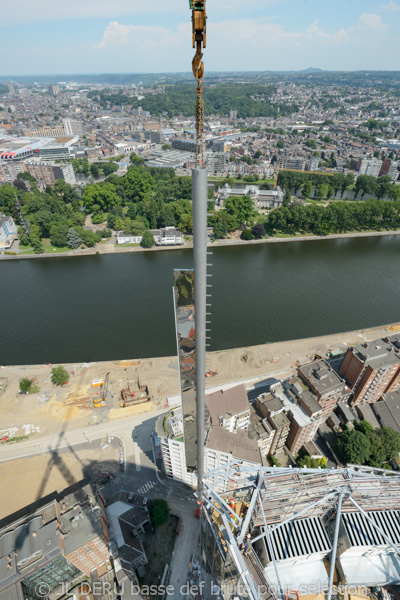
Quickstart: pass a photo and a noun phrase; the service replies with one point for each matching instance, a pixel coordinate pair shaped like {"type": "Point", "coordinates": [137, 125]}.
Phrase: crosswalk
{"type": "Point", "coordinates": [146, 487]}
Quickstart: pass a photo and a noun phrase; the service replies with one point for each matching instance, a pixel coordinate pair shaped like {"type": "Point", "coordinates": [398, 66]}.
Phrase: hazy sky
{"type": "Point", "coordinates": [98, 36]}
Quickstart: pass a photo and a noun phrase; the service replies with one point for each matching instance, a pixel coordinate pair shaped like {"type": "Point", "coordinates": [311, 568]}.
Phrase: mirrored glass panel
{"type": "Point", "coordinates": [186, 341]}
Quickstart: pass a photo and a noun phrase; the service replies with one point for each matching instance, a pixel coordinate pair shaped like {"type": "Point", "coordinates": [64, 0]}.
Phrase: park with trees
{"type": "Point", "coordinates": [365, 446]}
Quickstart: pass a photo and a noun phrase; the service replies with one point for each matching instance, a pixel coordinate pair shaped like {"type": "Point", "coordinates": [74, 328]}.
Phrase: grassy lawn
{"type": "Point", "coordinates": [294, 235]}
{"type": "Point", "coordinates": [47, 250]}
{"type": "Point", "coordinates": [260, 181]}
{"type": "Point", "coordinates": [126, 245]}
{"type": "Point", "coordinates": [312, 201]}
{"type": "Point", "coordinates": [51, 249]}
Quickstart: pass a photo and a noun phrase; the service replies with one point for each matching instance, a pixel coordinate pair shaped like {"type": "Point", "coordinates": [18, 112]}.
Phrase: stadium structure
{"type": "Point", "coordinates": [46, 148]}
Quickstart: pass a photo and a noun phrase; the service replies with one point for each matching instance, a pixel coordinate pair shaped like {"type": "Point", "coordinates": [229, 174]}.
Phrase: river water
{"type": "Point", "coordinates": [110, 307]}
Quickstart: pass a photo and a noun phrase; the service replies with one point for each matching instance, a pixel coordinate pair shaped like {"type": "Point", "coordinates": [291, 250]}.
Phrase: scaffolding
{"type": "Point", "coordinates": [284, 507]}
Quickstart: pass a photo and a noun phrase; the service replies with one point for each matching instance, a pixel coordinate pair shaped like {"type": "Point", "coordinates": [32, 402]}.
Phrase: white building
{"type": "Point", "coordinates": [226, 438]}
{"type": "Point", "coordinates": [370, 166]}
{"type": "Point", "coordinates": [166, 236]}
{"type": "Point", "coordinates": [8, 231]}
{"type": "Point", "coordinates": [216, 162]}
{"type": "Point", "coordinates": [73, 128]}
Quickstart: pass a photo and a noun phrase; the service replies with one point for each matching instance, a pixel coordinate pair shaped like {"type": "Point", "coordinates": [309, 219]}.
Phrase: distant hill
{"type": "Point", "coordinates": [312, 70]}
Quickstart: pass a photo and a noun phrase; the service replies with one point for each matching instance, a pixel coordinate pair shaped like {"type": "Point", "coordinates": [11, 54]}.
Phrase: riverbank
{"type": "Point", "coordinates": [115, 249]}
{"type": "Point", "coordinates": [53, 409]}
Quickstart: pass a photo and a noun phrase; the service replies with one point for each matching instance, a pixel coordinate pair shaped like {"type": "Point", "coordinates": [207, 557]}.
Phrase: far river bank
{"type": "Point", "coordinates": [109, 248]}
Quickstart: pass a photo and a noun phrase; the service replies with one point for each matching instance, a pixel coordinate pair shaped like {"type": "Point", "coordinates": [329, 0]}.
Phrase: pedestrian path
{"type": "Point", "coordinates": [146, 487]}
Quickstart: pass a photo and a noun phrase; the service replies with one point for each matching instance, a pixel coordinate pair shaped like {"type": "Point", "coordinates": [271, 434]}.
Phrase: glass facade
{"type": "Point", "coordinates": [186, 342]}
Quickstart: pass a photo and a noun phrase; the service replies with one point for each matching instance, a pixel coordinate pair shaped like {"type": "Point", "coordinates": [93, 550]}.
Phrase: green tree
{"type": "Point", "coordinates": [89, 237]}
{"type": "Point", "coordinates": [280, 144]}
{"type": "Point", "coordinates": [311, 144]}
{"type": "Point", "coordinates": [307, 189]}
{"type": "Point", "coordinates": [109, 168]}
{"type": "Point", "coordinates": [354, 447]}
{"type": "Point", "coordinates": [139, 184]}
{"type": "Point", "coordinates": [136, 160]}
{"type": "Point", "coordinates": [241, 208]}
{"type": "Point", "coordinates": [258, 231]}
{"type": "Point", "coordinates": [103, 195]}
{"type": "Point", "coordinates": [246, 235]}
{"type": "Point", "coordinates": [94, 169]}
{"type": "Point", "coordinates": [159, 512]}
{"type": "Point", "coordinates": [59, 234]}
{"type": "Point", "coordinates": [287, 200]}
{"type": "Point", "coordinates": [220, 229]}
{"type": "Point", "coordinates": [25, 385]}
{"type": "Point", "coordinates": [147, 240]}
{"type": "Point", "coordinates": [59, 375]}
{"type": "Point", "coordinates": [73, 239]}
{"type": "Point", "coordinates": [390, 440]}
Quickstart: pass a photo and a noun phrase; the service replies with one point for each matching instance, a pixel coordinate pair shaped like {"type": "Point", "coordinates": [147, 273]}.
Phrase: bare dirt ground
{"type": "Point", "coordinates": [39, 476]}
{"type": "Point", "coordinates": [70, 407]}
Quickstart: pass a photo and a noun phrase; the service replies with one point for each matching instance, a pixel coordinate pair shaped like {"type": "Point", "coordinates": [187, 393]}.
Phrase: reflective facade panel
{"type": "Point", "coordinates": [186, 342]}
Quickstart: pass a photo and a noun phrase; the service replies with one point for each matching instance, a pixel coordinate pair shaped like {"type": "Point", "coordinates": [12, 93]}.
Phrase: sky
{"type": "Point", "coordinates": [154, 36]}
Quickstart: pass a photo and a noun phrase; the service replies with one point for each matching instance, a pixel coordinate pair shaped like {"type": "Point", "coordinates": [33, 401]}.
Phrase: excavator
{"type": "Point", "coordinates": [199, 22]}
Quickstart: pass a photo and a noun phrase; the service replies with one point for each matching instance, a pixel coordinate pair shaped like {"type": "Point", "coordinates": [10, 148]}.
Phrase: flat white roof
{"type": "Point", "coordinates": [114, 511]}
{"type": "Point", "coordinates": [377, 569]}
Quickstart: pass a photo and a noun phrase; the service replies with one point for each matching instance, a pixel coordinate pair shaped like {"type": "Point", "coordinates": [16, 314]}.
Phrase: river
{"type": "Point", "coordinates": [110, 307]}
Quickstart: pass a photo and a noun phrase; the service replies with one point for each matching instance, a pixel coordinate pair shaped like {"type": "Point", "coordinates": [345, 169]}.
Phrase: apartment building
{"type": "Point", "coordinates": [293, 162]}
{"type": "Point", "coordinates": [260, 430]}
{"type": "Point", "coordinates": [224, 447]}
{"type": "Point", "coordinates": [370, 166]}
{"type": "Point", "coordinates": [228, 416]}
{"type": "Point", "coordinates": [273, 409]}
{"type": "Point", "coordinates": [305, 417]}
{"type": "Point", "coordinates": [49, 173]}
{"type": "Point", "coordinates": [216, 162]}
{"type": "Point", "coordinates": [54, 90]}
{"type": "Point", "coordinates": [229, 409]}
{"type": "Point", "coordinates": [324, 383]}
{"type": "Point", "coordinates": [11, 89]}
{"type": "Point", "coordinates": [372, 369]}
{"type": "Point", "coordinates": [302, 412]}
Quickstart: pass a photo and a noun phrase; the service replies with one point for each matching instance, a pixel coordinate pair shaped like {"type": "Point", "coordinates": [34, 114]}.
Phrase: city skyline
{"type": "Point", "coordinates": [270, 35]}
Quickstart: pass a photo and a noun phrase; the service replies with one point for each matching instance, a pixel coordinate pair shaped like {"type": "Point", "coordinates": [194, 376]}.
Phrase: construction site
{"type": "Point", "coordinates": [303, 533]}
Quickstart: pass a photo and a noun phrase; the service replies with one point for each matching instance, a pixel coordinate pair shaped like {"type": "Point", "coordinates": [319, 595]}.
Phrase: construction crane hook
{"type": "Point", "coordinates": [199, 22]}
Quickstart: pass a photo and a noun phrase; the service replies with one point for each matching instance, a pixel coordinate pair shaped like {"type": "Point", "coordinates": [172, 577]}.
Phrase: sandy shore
{"type": "Point", "coordinates": [53, 408]}
{"type": "Point", "coordinates": [114, 249]}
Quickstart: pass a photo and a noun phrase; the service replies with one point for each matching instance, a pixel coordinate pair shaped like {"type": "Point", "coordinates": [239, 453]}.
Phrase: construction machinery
{"type": "Point", "coordinates": [212, 373]}
{"type": "Point", "coordinates": [100, 400]}
{"type": "Point", "coordinates": [199, 27]}
{"type": "Point", "coordinates": [130, 397]}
